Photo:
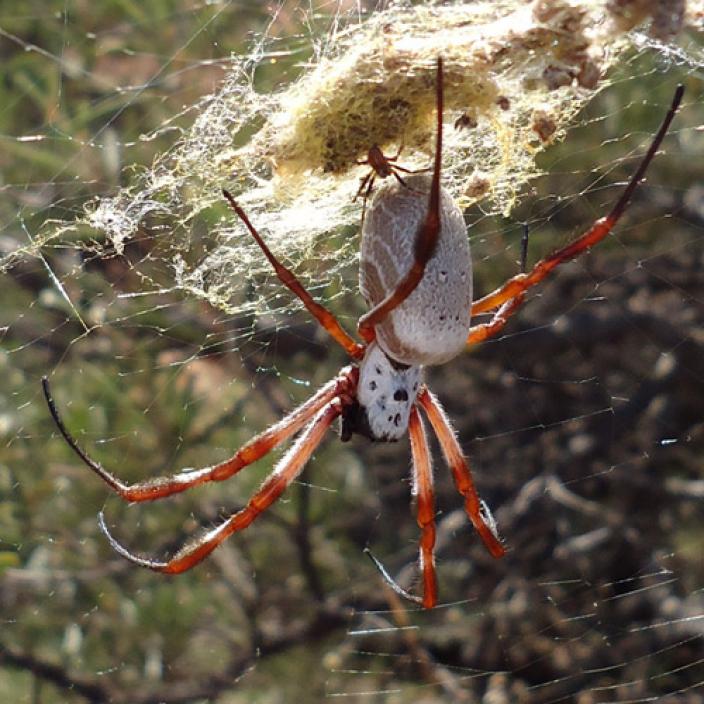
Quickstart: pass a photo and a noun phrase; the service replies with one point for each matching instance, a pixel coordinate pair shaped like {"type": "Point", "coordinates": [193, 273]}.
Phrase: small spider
{"type": "Point", "coordinates": [382, 167]}
{"type": "Point", "coordinates": [415, 274]}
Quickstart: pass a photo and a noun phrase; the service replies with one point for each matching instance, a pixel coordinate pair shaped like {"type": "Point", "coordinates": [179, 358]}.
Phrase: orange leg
{"type": "Point", "coordinates": [288, 468]}
{"type": "Point", "coordinates": [253, 450]}
{"type": "Point", "coordinates": [520, 283]}
{"type": "Point", "coordinates": [425, 498]}
{"type": "Point", "coordinates": [425, 505]}
{"type": "Point", "coordinates": [288, 279]}
{"type": "Point", "coordinates": [426, 239]}
{"type": "Point", "coordinates": [483, 331]}
{"type": "Point", "coordinates": [473, 506]}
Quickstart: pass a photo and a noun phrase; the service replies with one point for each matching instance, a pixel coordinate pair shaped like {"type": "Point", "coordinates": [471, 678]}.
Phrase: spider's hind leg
{"type": "Point", "coordinates": [288, 279]}
{"type": "Point", "coordinates": [519, 284]}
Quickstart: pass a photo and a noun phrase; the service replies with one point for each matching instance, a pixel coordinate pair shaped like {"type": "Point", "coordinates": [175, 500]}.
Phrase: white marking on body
{"type": "Point", "coordinates": [386, 393]}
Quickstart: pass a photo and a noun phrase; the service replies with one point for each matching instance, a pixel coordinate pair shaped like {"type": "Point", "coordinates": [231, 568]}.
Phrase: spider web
{"type": "Point", "coordinates": [169, 343]}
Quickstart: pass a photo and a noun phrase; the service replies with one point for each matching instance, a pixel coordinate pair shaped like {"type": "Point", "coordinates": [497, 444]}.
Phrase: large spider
{"type": "Point", "coordinates": [415, 274]}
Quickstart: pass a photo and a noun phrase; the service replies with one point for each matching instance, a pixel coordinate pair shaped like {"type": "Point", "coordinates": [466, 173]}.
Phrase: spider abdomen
{"type": "Point", "coordinates": [431, 325]}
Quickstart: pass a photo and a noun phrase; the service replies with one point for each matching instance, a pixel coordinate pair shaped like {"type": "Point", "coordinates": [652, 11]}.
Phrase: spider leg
{"type": "Point", "coordinates": [287, 469]}
{"type": "Point", "coordinates": [425, 501]}
{"type": "Point", "coordinates": [394, 171]}
{"type": "Point", "coordinates": [426, 239]}
{"type": "Point", "coordinates": [600, 229]}
{"type": "Point", "coordinates": [425, 505]}
{"type": "Point", "coordinates": [397, 154]}
{"type": "Point", "coordinates": [367, 183]}
{"type": "Point", "coordinates": [474, 507]}
{"type": "Point", "coordinates": [404, 170]}
{"type": "Point", "coordinates": [251, 451]}
{"type": "Point", "coordinates": [288, 279]}
{"type": "Point", "coordinates": [483, 331]}
{"type": "Point", "coordinates": [372, 177]}
{"type": "Point", "coordinates": [398, 178]}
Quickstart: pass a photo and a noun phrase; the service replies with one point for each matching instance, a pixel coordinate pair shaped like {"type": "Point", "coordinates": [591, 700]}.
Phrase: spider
{"type": "Point", "coordinates": [382, 166]}
{"type": "Point", "coordinates": [415, 274]}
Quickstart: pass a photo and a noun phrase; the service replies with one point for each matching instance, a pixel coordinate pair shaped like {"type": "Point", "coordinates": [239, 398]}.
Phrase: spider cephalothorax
{"type": "Point", "coordinates": [386, 392]}
{"type": "Point", "coordinates": [415, 274]}
{"type": "Point", "coordinates": [382, 166]}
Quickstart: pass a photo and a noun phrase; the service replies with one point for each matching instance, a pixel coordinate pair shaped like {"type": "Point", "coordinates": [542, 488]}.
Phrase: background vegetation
{"type": "Point", "coordinates": [584, 422]}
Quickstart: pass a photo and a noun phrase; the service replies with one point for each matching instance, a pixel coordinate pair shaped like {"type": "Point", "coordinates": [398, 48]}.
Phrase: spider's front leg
{"type": "Point", "coordinates": [250, 452]}
{"type": "Point", "coordinates": [474, 507]}
{"type": "Point", "coordinates": [476, 510]}
{"type": "Point", "coordinates": [286, 471]}
{"type": "Point", "coordinates": [425, 506]}
{"type": "Point", "coordinates": [365, 186]}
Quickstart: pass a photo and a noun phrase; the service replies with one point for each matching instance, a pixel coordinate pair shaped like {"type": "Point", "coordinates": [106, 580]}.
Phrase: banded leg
{"type": "Point", "coordinates": [251, 451]}
{"type": "Point", "coordinates": [288, 279]}
{"type": "Point", "coordinates": [425, 506]}
{"type": "Point", "coordinates": [474, 507]}
{"type": "Point", "coordinates": [426, 239]}
{"type": "Point", "coordinates": [288, 468]}
{"type": "Point", "coordinates": [520, 283]}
